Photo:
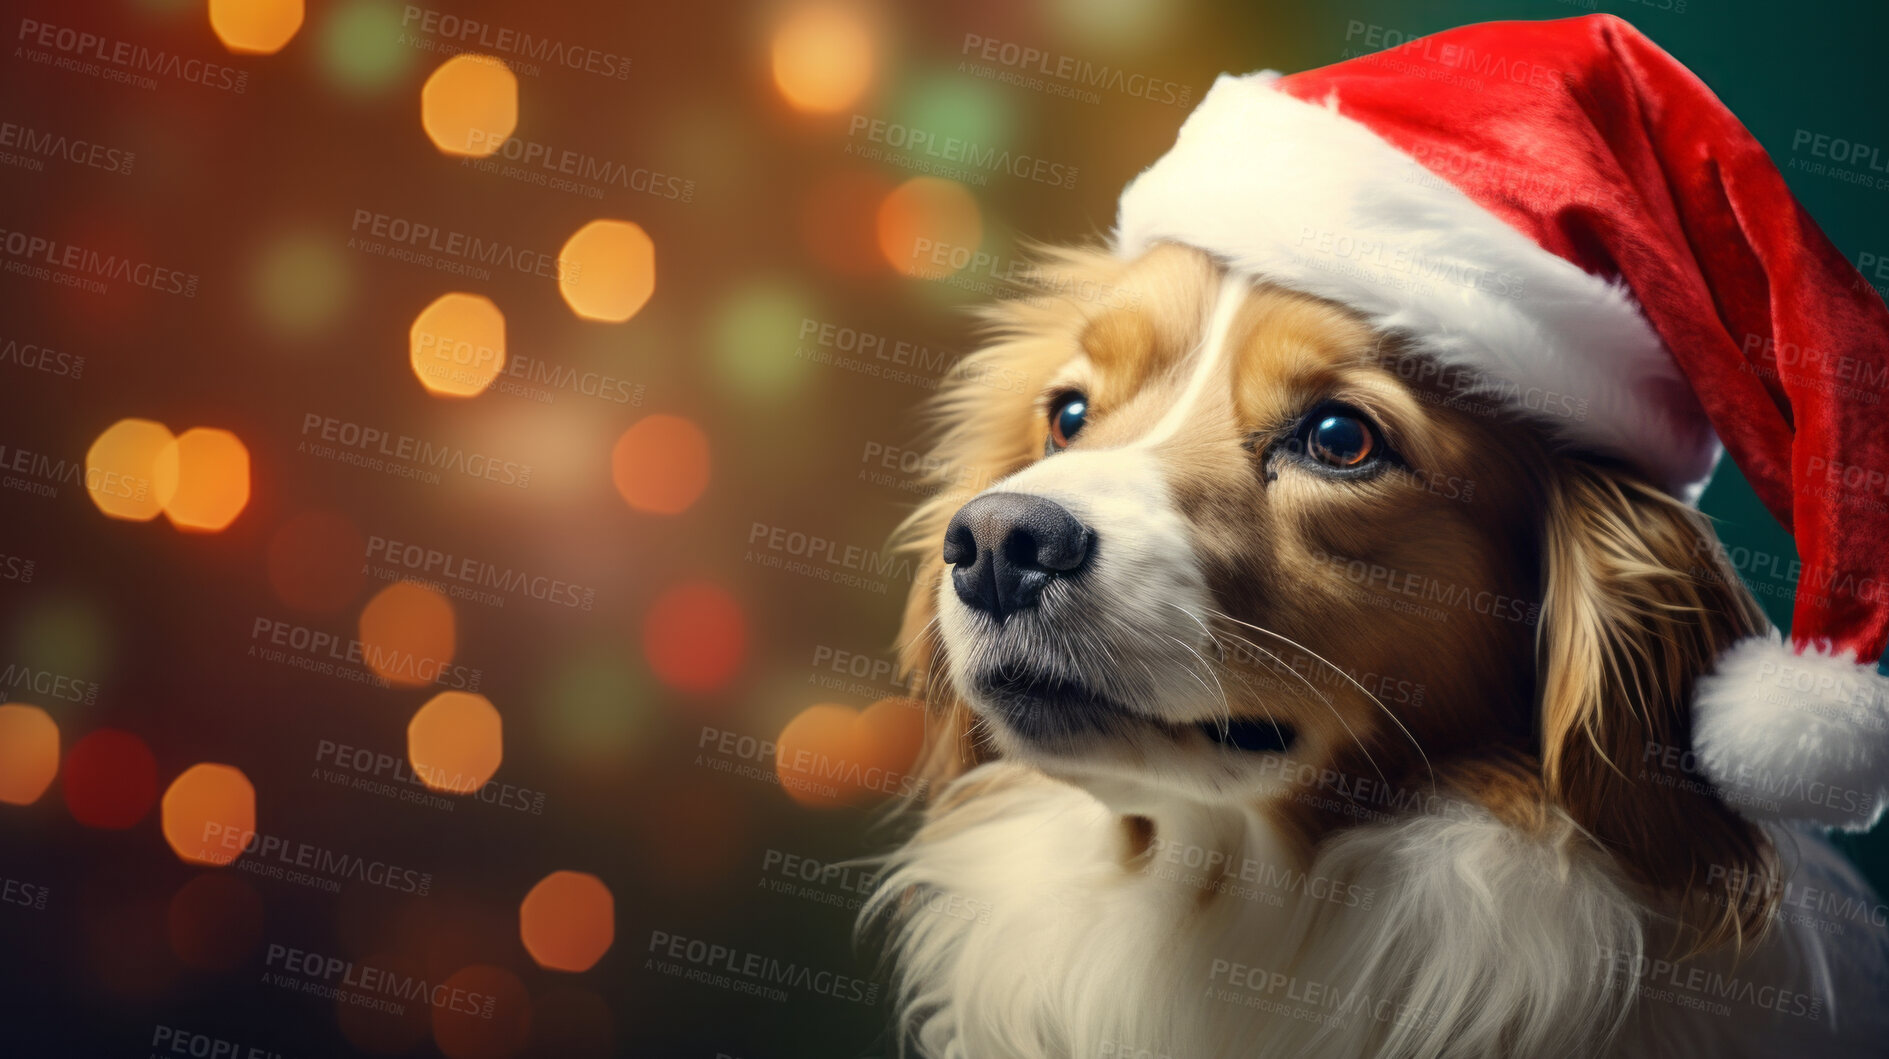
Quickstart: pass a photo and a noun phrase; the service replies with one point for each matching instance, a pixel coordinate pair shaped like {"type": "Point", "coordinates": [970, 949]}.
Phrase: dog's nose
{"type": "Point", "coordinates": [1005, 547]}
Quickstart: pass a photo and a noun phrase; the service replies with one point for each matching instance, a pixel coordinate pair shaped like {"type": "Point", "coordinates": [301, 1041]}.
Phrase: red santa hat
{"type": "Point", "coordinates": [1564, 215]}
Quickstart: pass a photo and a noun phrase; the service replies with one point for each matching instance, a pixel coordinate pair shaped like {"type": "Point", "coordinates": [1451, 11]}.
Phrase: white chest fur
{"type": "Point", "coordinates": [1024, 931]}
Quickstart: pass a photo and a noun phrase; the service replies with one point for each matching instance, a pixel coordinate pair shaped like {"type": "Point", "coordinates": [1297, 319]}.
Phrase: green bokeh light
{"type": "Point", "coordinates": [595, 707]}
{"type": "Point", "coordinates": [301, 283]}
{"type": "Point", "coordinates": [363, 47]}
{"type": "Point", "coordinates": [63, 634]}
{"type": "Point", "coordinates": [958, 107]}
{"type": "Point", "coordinates": [754, 336]}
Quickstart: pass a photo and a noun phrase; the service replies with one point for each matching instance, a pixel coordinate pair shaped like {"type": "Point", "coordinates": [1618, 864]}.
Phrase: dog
{"type": "Point", "coordinates": [1288, 698]}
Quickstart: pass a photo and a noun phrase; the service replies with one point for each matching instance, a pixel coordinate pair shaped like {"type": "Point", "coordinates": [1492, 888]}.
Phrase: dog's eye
{"type": "Point", "coordinates": [1337, 438]}
{"type": "Point", "coordinates": [1067, 414]}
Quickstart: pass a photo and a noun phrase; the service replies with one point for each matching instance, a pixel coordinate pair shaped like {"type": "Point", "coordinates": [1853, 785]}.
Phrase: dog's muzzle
{"type": "Point", "coordinates": [1005, 548]}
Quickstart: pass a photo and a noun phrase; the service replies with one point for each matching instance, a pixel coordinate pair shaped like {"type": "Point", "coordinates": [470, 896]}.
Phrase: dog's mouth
{"type": "Point", "coordinates": [1251, 735]}
{"type": "Point", "coordinates": [1049, 709]}
{"type": "Point", "coordinates": [1054, 711]}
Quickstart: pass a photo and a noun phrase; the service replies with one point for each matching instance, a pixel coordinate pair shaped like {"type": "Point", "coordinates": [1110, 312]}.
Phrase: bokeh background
{"type": "Point", "coordinates": [517, 581]}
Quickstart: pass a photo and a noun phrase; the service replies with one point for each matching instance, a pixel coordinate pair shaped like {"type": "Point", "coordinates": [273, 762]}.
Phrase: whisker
{"type": "Point", "coordinates": [1334, 667]}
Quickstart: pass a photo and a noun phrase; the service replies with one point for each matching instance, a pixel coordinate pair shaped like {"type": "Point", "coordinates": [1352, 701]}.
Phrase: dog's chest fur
{"type": "Point", "coordinates": [1026, 927]}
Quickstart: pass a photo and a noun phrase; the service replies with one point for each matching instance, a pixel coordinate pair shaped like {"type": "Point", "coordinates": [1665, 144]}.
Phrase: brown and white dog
{"type": "Point", "coordinates": [1288, 703]}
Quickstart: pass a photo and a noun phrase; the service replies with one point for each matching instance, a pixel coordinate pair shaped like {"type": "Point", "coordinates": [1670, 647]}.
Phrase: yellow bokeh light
{"type": "Point", "coordinates": [823, 57]}
{"type": "Point", "coordinates": [456, 742]}
{"type": "Point", "coordinates": [607, 270]}
{"type": "Point", "coordinates": [469, 106]}
{"type": "Point", "coordinates": [568, 921]}
{"type": "Point", "coordinates": [209, 814]}
{"type": "Point", "coordinates": [204, 477]}
{"type": "Point", "coordinates": [121, 469]}
{"type": "Point", "coordinates": [29, 753]}
{"type": "Point", "coordinates": [255, 27]}
{"type": "Point", "coordinates": [457, 344]}
{"type": "Point", "coordinates": [929, 227]}
{"type": "Point", "coordinates": [408, 634]}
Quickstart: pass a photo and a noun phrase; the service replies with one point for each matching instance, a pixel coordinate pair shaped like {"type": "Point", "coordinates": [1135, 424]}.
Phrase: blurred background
{"type": "Point", "coordinates": [447, 452]}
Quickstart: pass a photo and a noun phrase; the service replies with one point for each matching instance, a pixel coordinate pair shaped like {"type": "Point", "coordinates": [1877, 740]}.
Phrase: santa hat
{"type": "Point", "coordinates": [1565, 217]}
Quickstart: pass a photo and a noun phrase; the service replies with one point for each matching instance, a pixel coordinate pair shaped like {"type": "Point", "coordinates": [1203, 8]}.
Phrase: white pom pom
{"type": "Point", "coordinates": [1795, 736]}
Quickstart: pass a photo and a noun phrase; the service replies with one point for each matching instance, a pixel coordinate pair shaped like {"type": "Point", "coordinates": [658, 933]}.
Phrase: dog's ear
{"type": "Point", "coordinates": [1638, 602]}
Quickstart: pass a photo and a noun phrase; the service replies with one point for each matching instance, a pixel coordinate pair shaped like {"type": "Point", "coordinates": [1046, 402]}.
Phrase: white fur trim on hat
{"type": "Point", "coordinates": [1797, 737]}
{"type": "Point", "coordinates": [1307, 198]}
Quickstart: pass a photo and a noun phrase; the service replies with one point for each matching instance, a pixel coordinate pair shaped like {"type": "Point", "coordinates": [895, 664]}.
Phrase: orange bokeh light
{"type": "Point", "coordinates": [408, 634]}
{"type": "Point", "coordinates": [255, 27]}
{"type": "Point", "coordinates": [469, 106]}
{"type": "Point", "coordinates": [823, 57]}
{"type": "Point", "coordinates": [929, 227]}
{"type": "Point", "coordinates": [832, 755]}
{"type": "Point", "coordinates": [661, 464]}
{"type": "Point", "coordinates": [607, 270]}
{"type": "Point", "coordinates": [457, 344]}
{"type": "Point", "coordinates": [568, 921]}
{"type": "Point", "coordinates": [204, 476]}
{"type": "Point", "coordinates": [209, 814]}
{"type": "Point", "coordinates": [121, 469]}
{"type": "Point", "coordinates": [314, 561]}
{"type": "Point", "coordinates": [29, 753]}
{"type": "Point", "coordinates": [695, 637]}
{"type": "Point", "coordinates": [456, 742]}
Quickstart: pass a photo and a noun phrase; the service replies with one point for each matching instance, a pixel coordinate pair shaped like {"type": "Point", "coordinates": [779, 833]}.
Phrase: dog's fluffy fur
{"type": "Point", "coordinates": [1487, 835]}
